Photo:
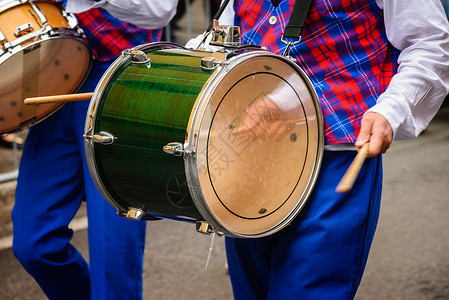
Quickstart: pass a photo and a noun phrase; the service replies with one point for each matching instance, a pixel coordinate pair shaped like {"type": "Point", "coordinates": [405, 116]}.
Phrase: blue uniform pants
{"type": "Point", "coordinates": [323, 252]}
{"type": "Point", "coordinates": [53, 181]}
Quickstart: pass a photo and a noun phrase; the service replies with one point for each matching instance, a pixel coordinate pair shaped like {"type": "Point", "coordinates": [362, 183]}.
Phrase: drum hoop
{"type": "Point", "coordinates": [5, 55]}
{"type": "Point", "coordinates": [92, 117]}
{"type": "Point", "coordinates": [73, 30]}
{"type": "Point", "coordinates": [192, 134]}
{"type": "Point", "coordinates": [12, 3]}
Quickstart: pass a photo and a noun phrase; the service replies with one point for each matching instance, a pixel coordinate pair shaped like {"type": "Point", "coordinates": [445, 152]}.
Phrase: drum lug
{"type": "Point", "coordinates": [227, 36]}
{"type": "Point", "coordinates": [204, 228]}
{"type": "Point", "coordinates": [137, 56]}
{"type": "Point", "coordinates": [134, 214]}
{"type": "Point", "coordinates": [175, 148]}
{"type": "Point", "coordinates": [102, 137]}
{"type": "Point", "coordinates": [24, 29]}
{"type": "Point", "coordinates": [73, 23]}
{"type": "Point", "coordinates": [38, 15]}
{"type": "Point", "coordinates": [209, 63]}
{"type": "Point", "coordinates": [3, 39]}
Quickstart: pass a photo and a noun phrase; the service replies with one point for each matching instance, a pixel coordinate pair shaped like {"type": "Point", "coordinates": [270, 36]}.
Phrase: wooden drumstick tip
{"type": "Point", "coordinates": [347, 182]}
{"type": "Point", "coordinates": [58, 98]}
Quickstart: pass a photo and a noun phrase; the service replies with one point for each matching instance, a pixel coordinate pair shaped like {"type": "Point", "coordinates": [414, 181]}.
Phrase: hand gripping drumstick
{"type": "Point", "coordinates": [348, 179]}
{"type": "Point", "coordinates": [58, 98]}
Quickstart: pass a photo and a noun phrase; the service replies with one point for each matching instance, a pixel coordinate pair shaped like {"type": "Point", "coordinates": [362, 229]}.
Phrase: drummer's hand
{"type": "Point", "coordinates": [262, 119]}
{"type": "Point", "coordinates": [377, 131]}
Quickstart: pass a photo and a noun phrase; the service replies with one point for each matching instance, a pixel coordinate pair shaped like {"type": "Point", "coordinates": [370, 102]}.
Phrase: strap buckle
{"type": "Point", "coordinates": [289, 44]}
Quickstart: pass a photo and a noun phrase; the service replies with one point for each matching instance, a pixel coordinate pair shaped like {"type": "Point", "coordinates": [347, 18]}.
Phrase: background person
{"type": "Point", "coordinates": [380, 70]}
{"type": "Point", "coordinates": [54, 178]}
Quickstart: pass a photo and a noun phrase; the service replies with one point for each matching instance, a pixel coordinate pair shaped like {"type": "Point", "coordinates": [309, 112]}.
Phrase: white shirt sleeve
{"type": "Point", "coordinates": [227, 17]}
{"type": "Point", "coordinates": [420, 30]}
{"type": "Point", "coordinates": [148, 14]}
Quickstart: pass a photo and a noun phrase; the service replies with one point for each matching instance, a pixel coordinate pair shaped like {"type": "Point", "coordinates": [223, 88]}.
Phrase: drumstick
{"type": "Point", "coordinates": [58, 98]}
{"type": "Point", "coordinates": [348, 179]}
{"type": "Point", "coordinates": [241, 129]}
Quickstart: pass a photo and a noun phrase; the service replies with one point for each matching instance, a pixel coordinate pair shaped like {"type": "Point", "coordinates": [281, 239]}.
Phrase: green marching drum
{"type": "Point", "coordinates": [206, 137]}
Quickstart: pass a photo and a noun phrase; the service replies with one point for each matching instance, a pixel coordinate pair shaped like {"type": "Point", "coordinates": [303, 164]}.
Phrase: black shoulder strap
{"type": "Point", "coordinates": [295, 24]}
{"type": "Point", "coordinates": [297, 19]}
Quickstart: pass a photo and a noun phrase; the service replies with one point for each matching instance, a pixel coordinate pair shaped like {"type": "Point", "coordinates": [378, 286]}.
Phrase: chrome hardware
{"type": "Point", "coordinates": [73, 22]}
{"type": "Point", "coordinates": [203, 227]}
{"type": "Point", "coordinates": [137, 56]}
{"type": "Point", "coordinates": [174, 148]}
{"type": "Point", "coordinates": [38, 15]}
{"type": "Point", "coordinates": [227, 36]}
{"type": "Point", "coordinates": [208, 63]}
{"type": "Point", "coordinates": [286, 53]}
{"type": "Point", "coordinates": [2, 38]}
{"type": "Point", "coordinates": [102, 137]}
{"type": "Point", "coordinates": [134, 214]}
{"type": "Point", "coordinates": [24, 29]}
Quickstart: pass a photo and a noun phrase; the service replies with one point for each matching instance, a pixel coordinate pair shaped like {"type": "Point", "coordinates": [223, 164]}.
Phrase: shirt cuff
{"type": "Point", "coordinates": [394, 111]}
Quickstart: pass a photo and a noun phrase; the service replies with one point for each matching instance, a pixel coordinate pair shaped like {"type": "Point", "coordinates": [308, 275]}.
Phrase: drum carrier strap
{"type": "Point", "coordinates": [295, 24]}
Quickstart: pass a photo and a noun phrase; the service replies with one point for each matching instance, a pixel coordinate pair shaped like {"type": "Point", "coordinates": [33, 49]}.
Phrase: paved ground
{"type": "Point", "coordinates": [410, 254]}
{"type": "Point", "coordinates": [409, 259]}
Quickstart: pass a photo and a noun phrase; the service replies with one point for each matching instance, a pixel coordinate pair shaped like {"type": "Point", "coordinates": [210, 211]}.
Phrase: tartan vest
{"type": "Point", "coordinates": [108, 36]}
{"type": "Point", "coordinates": [344, 51]}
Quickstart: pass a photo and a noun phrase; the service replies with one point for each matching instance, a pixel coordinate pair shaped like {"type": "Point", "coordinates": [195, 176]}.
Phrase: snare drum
{"type": "Point", "coordinates": [41, 53]}
{"type": "Point", "coordinates": [160, 138]}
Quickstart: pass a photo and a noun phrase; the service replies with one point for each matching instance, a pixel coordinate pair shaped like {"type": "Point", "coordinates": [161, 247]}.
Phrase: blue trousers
{"type": "Point", "coordinates": [323, 252]}
{"type": "Point", "coordinates": [53, 181]}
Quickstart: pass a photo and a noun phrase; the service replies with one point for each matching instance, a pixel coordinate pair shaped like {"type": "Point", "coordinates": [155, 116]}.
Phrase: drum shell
{"type": "Point", "coordinates": [134, 172]}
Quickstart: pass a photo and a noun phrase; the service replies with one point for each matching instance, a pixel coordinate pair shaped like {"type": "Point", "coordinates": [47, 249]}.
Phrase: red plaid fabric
{"type": "Point", "coordinates": [344, 51]}
{"type": "Point", "coordinates": [108, 36]}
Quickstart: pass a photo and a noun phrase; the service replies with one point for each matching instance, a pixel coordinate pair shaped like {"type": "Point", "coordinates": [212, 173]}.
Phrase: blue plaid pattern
{"type": "Point", "coordinates": [108, 36]}
{"type": "Point", "coordinates": [344, 51]}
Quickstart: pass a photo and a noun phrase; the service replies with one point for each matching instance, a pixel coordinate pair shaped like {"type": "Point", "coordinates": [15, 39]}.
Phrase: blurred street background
{"type": "Point", "coordinates": [410, 254]}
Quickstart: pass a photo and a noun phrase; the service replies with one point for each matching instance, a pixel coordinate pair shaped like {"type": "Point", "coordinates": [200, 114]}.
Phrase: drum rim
{"type": "Point", "coordinates": [92, 113]}
{"type": "Point", "coordinates": [89, 129]}
{"type": "Point", "coordinates": [12, 3]}
{"type": "Point", "coordinates": [5, 55]}
{"type": "Point", "coordinates": [196, 118]}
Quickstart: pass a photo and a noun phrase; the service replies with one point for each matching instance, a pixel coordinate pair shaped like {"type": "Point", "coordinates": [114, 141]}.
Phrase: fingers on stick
{"type": "Point", "coordinates": [351, 174]}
